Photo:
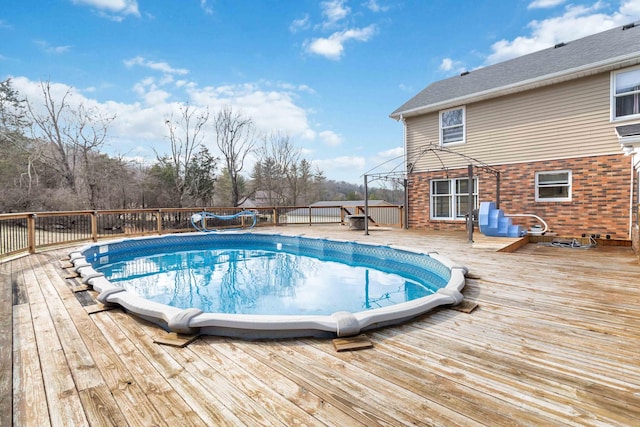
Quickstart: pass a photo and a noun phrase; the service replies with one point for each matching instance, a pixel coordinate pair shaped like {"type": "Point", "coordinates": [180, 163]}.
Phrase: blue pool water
{"type": "Point", "coordinates": [254, 275]}
{"type": "Point", "coordinates": [256, 281]}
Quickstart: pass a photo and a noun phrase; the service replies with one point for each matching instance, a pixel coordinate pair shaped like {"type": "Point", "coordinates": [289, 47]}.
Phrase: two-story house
{"type": "Point", "coordinates": [561, 126]}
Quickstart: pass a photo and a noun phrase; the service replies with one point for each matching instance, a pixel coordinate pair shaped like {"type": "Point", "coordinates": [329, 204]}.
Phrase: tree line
{"type": "Point", "coordinates": [52, 159]}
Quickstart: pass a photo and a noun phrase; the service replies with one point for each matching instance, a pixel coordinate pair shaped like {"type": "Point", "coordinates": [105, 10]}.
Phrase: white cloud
{"type": "Point", "coordinates": [446, 64]}
{"type": "Point", "coordinates": [45, 46]}
{"type": "Point", "coordinates": [113, 9]}
{"type": "Point", "coordinates": [334, 11]}
{"type": "Point", "coordinates": [271, 110]}
{"type": "Point", "coordinates": [543, 4]}
{"type": "Point", "coordinates": [336, 167]}
{"type": "Point", "coordinates": [388, 160]}
{"type": "Point", "coordinates": [139, 126]}
{"type": "Point", "coordinates": [451, 66]}
{"type": "Point", "coordinates": [339, 22]}
{"type": "Point", "coordinates": [156, 66]}
{"type": "Point", "coordinates": [205, 7]}
{"type": "Point", "coordinates": [333, 46]}
{"type": "Point", "coordinates": [150, 92]}
{"type": "Point", "coordinates": [630, 8]}
{"type": "Point", "coordinates": [135, 123]}
{"type": "Point", "coordinates": [391, 153]}
{"type": "Point", "coordinates": [374, 6]}
{"type": "Point", "coordinates": [139, 132]}
{"type": "Point", "coordinates": [300, 24]}
{"type": "Point", "coordinates": [330, 138]}
{"type": "Point", "coordinates": [576, 22]}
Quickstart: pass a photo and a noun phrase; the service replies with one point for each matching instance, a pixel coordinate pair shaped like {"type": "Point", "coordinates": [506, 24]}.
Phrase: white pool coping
{"type": "Point", "coordinates": [195, 321]}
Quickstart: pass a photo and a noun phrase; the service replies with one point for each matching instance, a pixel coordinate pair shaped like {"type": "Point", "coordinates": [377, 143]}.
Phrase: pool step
{"type": "Point", "coordinates": [493, 222]}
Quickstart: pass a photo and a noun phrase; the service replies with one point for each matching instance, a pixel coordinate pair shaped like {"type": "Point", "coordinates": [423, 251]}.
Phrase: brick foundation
{"type": "Point", "coordinates": [599, 205]}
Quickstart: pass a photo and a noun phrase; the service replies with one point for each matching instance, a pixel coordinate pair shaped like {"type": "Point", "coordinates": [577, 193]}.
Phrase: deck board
{"type": "Point", "coordinates": [162, 397]}
{"type": "Point", "coordinates": [63, 401]}
{"type": "Point", "coordinates": [554, 341]}
{"type": "Point", "coordinates": [29, 398]}
{"type": "Point", "coordinates": [6, 344]}
{"type": "Point", "coordinates": [115, 378]}
{"type": "Point", "coordinates": [263, 385]}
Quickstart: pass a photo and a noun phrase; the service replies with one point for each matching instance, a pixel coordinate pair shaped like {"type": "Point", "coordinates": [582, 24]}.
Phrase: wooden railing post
{"type": "Point", "coordinates": [31, 233]}
{"type": "Point", "coordinates": [275, 216]}
{"type": "Point", "coordinates": [94, 226]}
{"type": "Point", "coordinates": [159, 221]}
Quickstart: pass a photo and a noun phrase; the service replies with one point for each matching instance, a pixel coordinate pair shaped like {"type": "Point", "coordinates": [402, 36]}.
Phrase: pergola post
{"type": "Point", "coordinates": [470, 203]}
{"type": "Point", "coordinates": [366, 205]}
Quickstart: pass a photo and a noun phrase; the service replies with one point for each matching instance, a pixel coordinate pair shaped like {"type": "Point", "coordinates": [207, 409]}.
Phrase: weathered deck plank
{"type": "Point", "coordinates": [163, 398]}
{"type": "Point", "coordinates": [6, 344]}
{"type": "Point", "coordinates": [318, 383]}
{"type": "Point", "coordinates": [209, 403]}
{"type": "Point", "coordinates": [263, 384]}
{"type": "Point", "coordinates": [117, 379]}
{"type": "Point", "coordinates": [99, 405]}
{"type": "Point", "coordinates": [553, 342]}
{"type": "Point", "coordinates": [425, 399]}
{"type": "Point", "coordinates": [63, 400]}
{"type": "Point", "coordinates": [29, 398]}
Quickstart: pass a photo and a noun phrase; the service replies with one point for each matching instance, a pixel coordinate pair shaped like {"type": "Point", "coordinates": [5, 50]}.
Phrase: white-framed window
{"type": "Point", "coordinates": [553, 186]}
{"type": "Point", "coordinates": [452, 126]}
{"type": "Point", "coordinates": [625, 94]}
{"type": "Point", "coordinates": [450, 198]}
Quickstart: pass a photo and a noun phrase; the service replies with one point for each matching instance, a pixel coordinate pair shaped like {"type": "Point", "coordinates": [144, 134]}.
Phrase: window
{"type": "Point", "coordinates": [626, 94]}
{"type": "Point", "coordinates": [452, 126]}
{"type": "Point", "coordinates": [553, 186]}
{"type": "Point", "coordinates": [450, 198]}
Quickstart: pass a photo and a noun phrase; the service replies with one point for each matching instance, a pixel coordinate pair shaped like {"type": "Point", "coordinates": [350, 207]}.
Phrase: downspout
{"type": "Point", "coordinates": [406, 173]}
{"type": "Point", "coordinates": [631, 207]}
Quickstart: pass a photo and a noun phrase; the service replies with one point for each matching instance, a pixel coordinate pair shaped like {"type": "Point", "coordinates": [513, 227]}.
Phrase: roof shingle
{"type": "Point", "coordinates": [605, 48]}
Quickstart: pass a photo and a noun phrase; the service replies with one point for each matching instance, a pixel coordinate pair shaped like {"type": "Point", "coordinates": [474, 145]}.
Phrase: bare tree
{"type": "Point", "coordinates": [235, 137]}
{"type": "Point", "coordinates": [89, 135]}
{"type": "Point", "coordinates": [286, 178]}
{"type": "Point", "coordinates": [275, 169]}
{"type": "Point", "coordinates": [53, 129]}
{"type": "Point", "coordinates": [186, 135]}
{"type": "Point", "coordinates": [73, 135]}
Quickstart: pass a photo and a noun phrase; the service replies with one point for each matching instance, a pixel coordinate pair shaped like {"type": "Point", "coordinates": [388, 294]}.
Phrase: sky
{"type": "Point", "coordinates": [327, 74]}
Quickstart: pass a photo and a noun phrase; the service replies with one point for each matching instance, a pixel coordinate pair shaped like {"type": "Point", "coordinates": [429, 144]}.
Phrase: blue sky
{"type": "Point", "coordinates": [325, 73]}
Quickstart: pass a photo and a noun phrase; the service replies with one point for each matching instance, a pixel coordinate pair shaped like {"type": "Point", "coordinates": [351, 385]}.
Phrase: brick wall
{"type": "Point", "coordinates": [599, 205]}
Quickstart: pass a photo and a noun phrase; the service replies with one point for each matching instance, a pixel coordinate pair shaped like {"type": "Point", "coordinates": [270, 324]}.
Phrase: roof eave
{"type": "Point", "coordinates": [546, 80]}
{"type": "Point", "coordinates": [630, 141]}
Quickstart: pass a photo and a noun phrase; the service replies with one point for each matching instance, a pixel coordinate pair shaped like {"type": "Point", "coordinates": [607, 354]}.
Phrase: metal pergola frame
{"type": "Point", "coordinates": [397, 176]}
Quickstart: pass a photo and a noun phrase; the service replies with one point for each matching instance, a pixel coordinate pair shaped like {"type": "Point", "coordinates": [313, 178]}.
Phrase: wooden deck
{"type": "Point", "coordinates": [555, 340]}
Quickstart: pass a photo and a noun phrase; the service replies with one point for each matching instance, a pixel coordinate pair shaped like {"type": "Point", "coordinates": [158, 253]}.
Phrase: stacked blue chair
{"type": "Point", "coordinates": [493, 222]}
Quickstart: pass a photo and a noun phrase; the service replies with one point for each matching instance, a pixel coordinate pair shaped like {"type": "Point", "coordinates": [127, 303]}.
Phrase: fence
{"type": "Point", "coordinates": [28, 232]}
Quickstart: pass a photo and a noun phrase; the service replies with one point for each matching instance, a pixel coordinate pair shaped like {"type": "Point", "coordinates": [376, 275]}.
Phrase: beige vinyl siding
{"type": "Point", "coordinates": [570, 119]}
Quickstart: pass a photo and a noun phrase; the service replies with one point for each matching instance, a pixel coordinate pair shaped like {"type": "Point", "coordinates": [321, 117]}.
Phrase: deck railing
{"type": "Point", "coordinates": [28, 232]}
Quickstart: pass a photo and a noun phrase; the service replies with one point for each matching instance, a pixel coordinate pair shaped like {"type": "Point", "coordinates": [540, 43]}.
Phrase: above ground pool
{"type": "Point", "coordinates": [258, 285]}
